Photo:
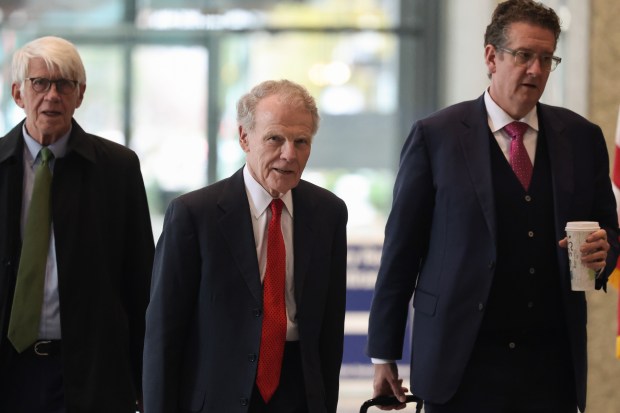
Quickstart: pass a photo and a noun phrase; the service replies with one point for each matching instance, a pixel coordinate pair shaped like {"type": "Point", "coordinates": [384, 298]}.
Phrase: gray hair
{"type": "Point", "coordinates": [290, 92]}
{"type": "Point", "coordinates": [57, 53]}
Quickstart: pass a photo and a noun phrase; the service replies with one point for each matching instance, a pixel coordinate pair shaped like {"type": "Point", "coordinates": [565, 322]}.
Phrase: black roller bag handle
{"type": "Point", "coordinates": [389, 400]}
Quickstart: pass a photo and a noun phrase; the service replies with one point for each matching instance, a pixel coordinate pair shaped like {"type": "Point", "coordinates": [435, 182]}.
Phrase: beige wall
{"type": "Point", "coordinates": [605, 66]}
{"type": "Point", "coordinates": [604, 101]}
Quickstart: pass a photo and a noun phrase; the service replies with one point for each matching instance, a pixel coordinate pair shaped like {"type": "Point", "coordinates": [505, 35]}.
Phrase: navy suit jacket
{"type": "Point", "coordinates": [440, 240]}
{"type": "Point", "coordinates": [204, 319]}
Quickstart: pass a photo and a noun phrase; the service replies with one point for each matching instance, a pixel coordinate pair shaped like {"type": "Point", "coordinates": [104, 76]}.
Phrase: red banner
{"type": "Point", "coordinates": [615, 276]}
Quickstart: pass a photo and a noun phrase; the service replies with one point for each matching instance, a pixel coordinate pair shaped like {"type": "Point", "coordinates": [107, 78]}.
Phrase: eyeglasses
{"type": "Point", "coordinates": [523, 58]}
{"type": "Point", "coordinates": [42, 85]}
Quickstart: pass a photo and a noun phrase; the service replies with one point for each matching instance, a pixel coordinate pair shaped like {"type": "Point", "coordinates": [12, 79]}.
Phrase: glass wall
{"type": "Point", "coordinates": [164, 77]}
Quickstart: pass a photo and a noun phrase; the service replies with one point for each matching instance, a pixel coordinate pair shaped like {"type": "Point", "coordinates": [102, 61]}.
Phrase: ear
{"type": "Point", "coordinates": [81, 90]}
{"type": "Point", "coordinates": [17, 95]}
{"type": "Point", "coordinates": [490, 56]}
{"type": "Point", "coordinates": [243, 139]}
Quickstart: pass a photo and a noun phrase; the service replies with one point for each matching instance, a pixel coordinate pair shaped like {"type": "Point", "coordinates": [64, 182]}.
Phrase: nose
{"type": "Point", "coordinates": [289, 152]}
{"type": "Point", "coordinates": [535, 67]}
{"type": "Point", "coordinates": [52, 92]}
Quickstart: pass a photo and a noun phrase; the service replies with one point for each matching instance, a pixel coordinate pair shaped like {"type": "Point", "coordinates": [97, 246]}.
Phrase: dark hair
{"type": "Point", "coordinates": [513, 11]}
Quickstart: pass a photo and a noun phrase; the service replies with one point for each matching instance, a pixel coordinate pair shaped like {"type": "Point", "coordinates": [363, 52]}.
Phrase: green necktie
{"type": "Point", "coordinates": [28, 296]}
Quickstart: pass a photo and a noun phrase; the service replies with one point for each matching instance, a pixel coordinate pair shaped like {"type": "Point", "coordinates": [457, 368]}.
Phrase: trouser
{"type": "Point", "coordinates": [32, 382]}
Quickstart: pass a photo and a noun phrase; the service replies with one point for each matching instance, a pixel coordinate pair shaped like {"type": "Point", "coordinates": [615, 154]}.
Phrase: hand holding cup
{"type": "Point", "coordinates": [587, 250]}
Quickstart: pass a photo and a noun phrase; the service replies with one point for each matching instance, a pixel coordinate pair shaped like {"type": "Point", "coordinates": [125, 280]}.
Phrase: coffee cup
{"type": "Point", "coordinates": [582, 278]}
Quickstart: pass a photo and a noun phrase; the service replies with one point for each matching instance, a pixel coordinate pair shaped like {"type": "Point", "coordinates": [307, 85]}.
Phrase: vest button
{"type": "Point", "coordinates": [251, 358]}
{"type": "Point", "coordinates": [480, 306]}
{"type": "Point", "coordinates": [243, 401]}
{"type": "Point", "coordinates": [512, 345]}
{"type": "Point", "coordinates": [256, 312]}
{"type": "Point", "coordinates": [530, 304]}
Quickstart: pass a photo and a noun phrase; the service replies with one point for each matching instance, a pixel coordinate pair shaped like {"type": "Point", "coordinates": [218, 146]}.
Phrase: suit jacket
{"type": "Point", "coordinates": [441, 239]}
{"type": "Point", "coordinates": [104, 252]}
{"type": "Point", "coordinates": [204, 319]}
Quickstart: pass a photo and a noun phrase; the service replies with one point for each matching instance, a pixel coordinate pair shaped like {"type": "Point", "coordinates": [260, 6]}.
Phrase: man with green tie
{"type": "Point", "coordinates": [76, 249]}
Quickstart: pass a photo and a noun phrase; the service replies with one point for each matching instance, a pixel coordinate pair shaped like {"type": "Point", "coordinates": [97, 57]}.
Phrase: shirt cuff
{"type": "Point", "coordinates": [381, 361]}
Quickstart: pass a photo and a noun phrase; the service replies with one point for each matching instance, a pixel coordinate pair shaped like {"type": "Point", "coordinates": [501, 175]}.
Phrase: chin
{"type": "Point", "coordinates": [282, 189]}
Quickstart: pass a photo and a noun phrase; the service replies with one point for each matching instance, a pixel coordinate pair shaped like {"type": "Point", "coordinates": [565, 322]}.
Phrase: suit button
{"type": "Point", "coordinates": [491, 265]}
{"type": "Point", "coordinates": [252, 358]}
{"type": "Point", "coordinates": [532, 270]}
{"type": "Point", "coordinates": [257, 312]}
{"type": "Point", "coordinates": [512, 345]}
{"type": "Point", "coordinates": [480, 306]}
{"type": "Point", "coordinates": [530, 234]}
{"type": "Point", "coordinates": [243, 401]}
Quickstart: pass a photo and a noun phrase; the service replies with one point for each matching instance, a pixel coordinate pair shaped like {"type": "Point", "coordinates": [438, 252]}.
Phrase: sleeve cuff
{"type": "Point", "coordinates": [381, 361]}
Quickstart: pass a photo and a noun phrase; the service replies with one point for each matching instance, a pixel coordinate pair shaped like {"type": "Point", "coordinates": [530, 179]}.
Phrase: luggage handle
{"type": "Point", "coordinates": [389, 400]}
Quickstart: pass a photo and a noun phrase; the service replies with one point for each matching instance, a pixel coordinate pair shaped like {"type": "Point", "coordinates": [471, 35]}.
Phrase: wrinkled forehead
{"type": "Point", "coordinates": [40, 66]}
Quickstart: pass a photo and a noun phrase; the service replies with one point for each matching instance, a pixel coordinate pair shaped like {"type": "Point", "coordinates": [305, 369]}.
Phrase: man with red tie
{"type": "Point", "coordinates": [248, 291]}
{"type": "Point", "coordinates": [476, 236]}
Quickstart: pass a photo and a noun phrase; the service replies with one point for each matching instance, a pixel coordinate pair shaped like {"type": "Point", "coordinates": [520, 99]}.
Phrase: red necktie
{"type": "Point", "coordinates": [519, 159]}
{"type": "Point", "coordinates": [274, 308]}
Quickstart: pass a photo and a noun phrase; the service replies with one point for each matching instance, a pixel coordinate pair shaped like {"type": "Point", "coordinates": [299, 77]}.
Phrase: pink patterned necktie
{"type": "Point", "coordinates": [274, 308]}
{"type": "Point", "coordinates": [519, 159]}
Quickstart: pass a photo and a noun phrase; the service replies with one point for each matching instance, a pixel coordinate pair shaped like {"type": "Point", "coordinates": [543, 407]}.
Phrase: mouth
{"type": "Point", "coordinates": [51, 113]}
{"type": "Point", "coordinates": [283, 171]}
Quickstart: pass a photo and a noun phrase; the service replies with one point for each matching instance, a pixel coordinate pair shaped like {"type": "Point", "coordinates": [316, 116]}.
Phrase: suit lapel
{"type": "Point", "coordinates": [303, 236]}
{"type": "Point", "coordinates": [561, 160]}
{"type": "Point", "coordinates": [236, 227]}
{"type": "Point", "coordinates": [13, 144]}
{"type": "Point", "coordinates": [475, 144]}
{"type": "Point", "coordinates": [71, 200]}
{"type": "Point", "coordinates": [236, 214]}
{"type": "Point", "coordinates": [12, 164]}
{"type": "Point", "coordinates": [11, 186]}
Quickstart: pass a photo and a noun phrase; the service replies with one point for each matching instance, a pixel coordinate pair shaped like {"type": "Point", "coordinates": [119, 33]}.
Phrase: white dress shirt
{"type": "Point", "coordinates": [259, 200]}
{"type": "Point", "coordinates": [497, 119]}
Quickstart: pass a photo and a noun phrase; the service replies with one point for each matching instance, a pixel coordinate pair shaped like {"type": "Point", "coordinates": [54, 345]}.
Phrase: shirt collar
{"type": "Point", "coordinates": [498, 118]}
{"type": "Point", "coordinates": [58, 148]}
{"type": "Point", "coordinates": [260, 198]}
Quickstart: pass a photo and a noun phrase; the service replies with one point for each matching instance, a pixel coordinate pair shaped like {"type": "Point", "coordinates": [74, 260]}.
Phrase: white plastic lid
{"type": "Point", "coordinates": [582, 226]}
